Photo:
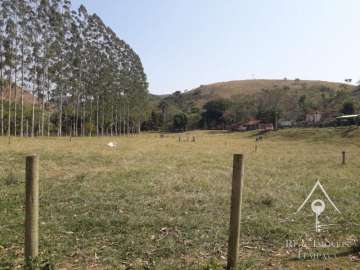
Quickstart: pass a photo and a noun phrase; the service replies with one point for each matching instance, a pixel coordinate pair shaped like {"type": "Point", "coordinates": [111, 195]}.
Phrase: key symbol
{"type": "Point", "coordinates": [317, 206]}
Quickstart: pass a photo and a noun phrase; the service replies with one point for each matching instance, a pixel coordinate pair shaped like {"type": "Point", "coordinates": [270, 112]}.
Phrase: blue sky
{"type": "Point", "coordinates": [185, 43]}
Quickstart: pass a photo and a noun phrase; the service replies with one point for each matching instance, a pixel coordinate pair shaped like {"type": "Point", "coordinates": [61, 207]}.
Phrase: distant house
{"type": "Point", "coordinates": [313, 117]}
{"type": "Point", "coordinates": [351, 119]}
{"type": "Point", "coordinates": [237, 127]}
{"type": "Point", "coordinates": [266, 127]}
{"type": "Point", "coordinates": [252, 124]}
{"type": "Point", "coordinates": [285, 123]}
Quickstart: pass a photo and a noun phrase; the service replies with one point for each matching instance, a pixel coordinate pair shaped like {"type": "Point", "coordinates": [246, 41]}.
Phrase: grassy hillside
{"type": "Point", "coordinates": [156, 203]}
{"type": "Point", "coordinates": [239, 101]}
{"type": "Point", "coordinates": [230, 89]}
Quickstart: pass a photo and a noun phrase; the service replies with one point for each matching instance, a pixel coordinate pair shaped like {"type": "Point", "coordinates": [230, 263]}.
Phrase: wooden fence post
{"type": "Point", "coordinates": [343, 158]}
{"type": "Point", "coordinates": [32, 208]}
{"type": "Point", "coordinates": [235, 214]}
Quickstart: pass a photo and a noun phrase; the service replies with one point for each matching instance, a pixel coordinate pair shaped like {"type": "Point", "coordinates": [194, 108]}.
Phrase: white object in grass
{"type": "Point", "coordinates": [112, 144]}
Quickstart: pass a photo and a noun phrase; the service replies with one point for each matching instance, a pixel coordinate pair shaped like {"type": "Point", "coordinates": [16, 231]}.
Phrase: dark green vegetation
{"type": "Point", "coordinates": [83, 79]}
{"type": "Point", "coordinates": [156, 203]}
{"type": "Point", "coordinates": [219, 105]}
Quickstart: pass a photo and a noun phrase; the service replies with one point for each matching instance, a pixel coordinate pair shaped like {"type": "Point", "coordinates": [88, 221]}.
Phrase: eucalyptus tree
{"type": "Point", "coordinates": [75, 66]}
{"type": "Point", "coordinates": [33, 58]}
{"type": "Point", "coordinates": [16, 12]}
{"type": "Point", "coordinates": [56, 63]}
{"type": "Point", "coordinates": [95, 62]}
{"type": "Point", "coordinates": [44, 34]}
{"type": "Point", "coordinates": [10, 52]}
{"type": "Point", "coordinates": [61, 68]}
{"type": "Point", "coordinates": [2, 40]}
{"type": "Point", "coordinates": [78, 41]}
{"type": "Point", "coordinates": [24, 11]}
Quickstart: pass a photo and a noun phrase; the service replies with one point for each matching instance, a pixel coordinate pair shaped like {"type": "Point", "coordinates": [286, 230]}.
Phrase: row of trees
{"type": "Point", "coordinates": [84, 80]}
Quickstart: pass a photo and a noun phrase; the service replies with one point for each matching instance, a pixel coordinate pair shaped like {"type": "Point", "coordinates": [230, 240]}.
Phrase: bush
{"type": "Point", "coordinates": [179, 122]}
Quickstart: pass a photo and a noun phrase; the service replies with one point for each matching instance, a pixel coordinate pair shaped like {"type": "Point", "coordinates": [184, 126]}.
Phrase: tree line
{"type": "Point", "coordinates": [83, 79]}
{"type": "Point", "coordinates": [179, 112]}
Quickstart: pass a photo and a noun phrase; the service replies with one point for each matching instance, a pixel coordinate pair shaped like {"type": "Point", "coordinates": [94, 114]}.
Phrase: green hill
{"type": "Point", "coordinates": [227, 90]}
{"type": "Point", "coordinates": [239, 101]}
{"type": "Point", "coordinates": [327, 96]}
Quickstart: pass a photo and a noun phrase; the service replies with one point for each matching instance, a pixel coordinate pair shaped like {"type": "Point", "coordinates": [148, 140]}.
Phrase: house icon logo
{"type": "Point", "coordinates": [318, 206]}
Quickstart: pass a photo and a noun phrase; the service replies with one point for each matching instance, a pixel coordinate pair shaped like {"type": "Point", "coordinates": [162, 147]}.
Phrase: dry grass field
{"type": "Point", "coordinates": [157, 203]}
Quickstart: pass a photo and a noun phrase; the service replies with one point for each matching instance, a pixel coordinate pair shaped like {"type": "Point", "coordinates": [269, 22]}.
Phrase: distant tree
{"type": "Point", "coordinates": [163, 106]}
{"type": "Point", "coordinates": [348, 108]}
{"type": "Point", "coordinates": [213, 113]}
{"type": "Point", "coordinates": [269, 116]}
{"type": "Point", "coordinates": [154, 122]}
{"type": "Point", "coordinates": [179, 122]}
{"type": "Point", "coordinates": [304, 104]}
{"type": "Point", "coordinates": [193, 120]}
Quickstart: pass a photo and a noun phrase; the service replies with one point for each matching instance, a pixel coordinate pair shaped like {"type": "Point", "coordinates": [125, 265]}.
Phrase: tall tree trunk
{"type": "Point", "coordinates": [103, 118]}
{"type": "Point", "coordinates": [43, 105]}
{"type": "Point", "coordinates": [40, 88]}
{"type": "Point", "coordinates": [60, 114]}
{"type": "Point", "coordinates": [124, 119]}
{"type": "Point", "coordinates": [65, 121]}
{"type": "Point", "coordinates": [74, 116]}
{"type": "Point", "coordinates": [2, 94]}
{"type": "Point", "coordinates": [22, 92]}
{"type": "Point", "coordinates": [48, 124]}
{"type": "Point", "coordinates": [9, 107]}
{"type": "Point", "coordinates": [120, 120]}
{"type": "Point", "coordinates": [15, 101]}
{"type": "Point", "coordinates": [73, 126]}
{"type": "Point", "coordinates": [112, 120]}
{"type": "Point", "coordinates": [15, 70]}
{"type": "Point", "coordinates": [91, 109]}
{"type": "Point", "coordinates": [128, 118]}
{"type": "Point", "coordinates": [83, 116]}
{"type": "Point", "coordinates": [79, 101]}
{"type": "Point", "coordinates": [49, 114]}
{"type": "Point", "coordinates": [97, 116]}
{"type": "Point", "coordinates": [2, 109]}
{"type": "Point", "coordinates": [33, 113]}
{"type": "Point", "coordinates": [27, 127]}
{"type": "Point", "coordinates": [116, 120]}
{"type": "Point", "coordinates": [77, 114]}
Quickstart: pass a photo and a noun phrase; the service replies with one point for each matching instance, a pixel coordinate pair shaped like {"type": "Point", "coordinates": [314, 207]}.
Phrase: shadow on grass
{"type": "Point", "coordinates": [349, 132]}
{"type": "Point", "coordinates": [213, 132]}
